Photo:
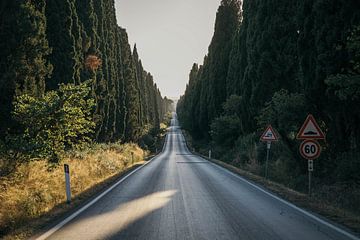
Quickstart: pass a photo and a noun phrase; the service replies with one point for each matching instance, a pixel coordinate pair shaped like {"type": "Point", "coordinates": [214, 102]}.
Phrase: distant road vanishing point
{"type": "Point", "coordinates": [178, 195]}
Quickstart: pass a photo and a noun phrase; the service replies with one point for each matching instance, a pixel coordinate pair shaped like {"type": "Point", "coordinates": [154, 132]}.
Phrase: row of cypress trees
{"type": "Point", "coordinates": [273, 62]}
{"type": "Point", "coordinates": [46, 43]}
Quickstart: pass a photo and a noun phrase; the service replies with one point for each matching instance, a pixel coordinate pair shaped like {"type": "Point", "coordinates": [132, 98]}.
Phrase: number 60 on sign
{"type": "Point", "coordinates": [310, 149]}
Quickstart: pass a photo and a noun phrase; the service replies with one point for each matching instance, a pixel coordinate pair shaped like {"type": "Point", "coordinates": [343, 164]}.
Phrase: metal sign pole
{"type": "Point", "coordinates": [309, 183]}
{"type": "Point", "coordinates": [67, 183]}
{"type": "Point", "coordinates": [310, 169]}
{"type": "Point", "coordinates": [268, 146]}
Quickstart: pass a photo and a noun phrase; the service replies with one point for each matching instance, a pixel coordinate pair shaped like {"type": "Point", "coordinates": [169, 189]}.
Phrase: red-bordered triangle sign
{"type": "Point", "coordinates": [310, 129]}
{"type": "Point", "coordinates": [269, 135]}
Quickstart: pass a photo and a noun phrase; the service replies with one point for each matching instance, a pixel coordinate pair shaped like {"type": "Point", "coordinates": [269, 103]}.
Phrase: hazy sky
{"type": "Point", "coordinates": [170, 36]}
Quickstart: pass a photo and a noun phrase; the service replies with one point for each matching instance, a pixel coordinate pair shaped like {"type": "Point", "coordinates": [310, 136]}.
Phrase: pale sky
{"type": "Point", "coordinates": [170, 36]}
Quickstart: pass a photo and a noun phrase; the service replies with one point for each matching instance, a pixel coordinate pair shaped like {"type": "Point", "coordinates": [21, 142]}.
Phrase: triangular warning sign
{"type": "Point", "coordinates": [310, 129]}
{"type": "Point", "coordinates": [269, 135]}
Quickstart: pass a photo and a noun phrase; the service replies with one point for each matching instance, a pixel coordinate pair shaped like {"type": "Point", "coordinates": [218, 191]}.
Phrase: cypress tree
{"type": "Point", "coordinates": [23, 64]}
{"type": "Point", "coordinates": [64, 36]}
{"type": "Point", "coordinates": [132, 94]}
{"type": "Point", "coordinates": [86, 43]}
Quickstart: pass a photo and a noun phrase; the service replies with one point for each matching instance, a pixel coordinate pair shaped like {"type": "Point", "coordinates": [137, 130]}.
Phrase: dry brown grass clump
{"type": "Point", "coordinates": [35, 188]}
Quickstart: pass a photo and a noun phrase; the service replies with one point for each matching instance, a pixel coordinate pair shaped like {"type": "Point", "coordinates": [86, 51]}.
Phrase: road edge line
{"type": "Point", "coordinates": [92, 202]}
{"type": "Point", "coordinates": [303, 211]}
{"type": "Point", "coordinates": [289, 204]}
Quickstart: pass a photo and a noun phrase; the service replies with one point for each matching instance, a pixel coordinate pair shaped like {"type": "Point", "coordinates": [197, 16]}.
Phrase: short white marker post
{"type": "Point", "coordinates": [210, 154]}
{"type": "Point", "coordinates": [67, 183]}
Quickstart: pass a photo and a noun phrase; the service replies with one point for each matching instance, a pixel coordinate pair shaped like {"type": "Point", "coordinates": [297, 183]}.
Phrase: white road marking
{"type": "Point", "coordinates": [72, 216]}
{"type": "Point", "coordinates": [345, 233]}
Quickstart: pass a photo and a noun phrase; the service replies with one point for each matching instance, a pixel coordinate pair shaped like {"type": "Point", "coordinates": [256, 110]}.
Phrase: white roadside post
{"type": "Point", "coordinates": [67, 183]}
{"type": "Point", "coordinates": [310, 149]}
{"type": "Point", "coordinates": [210, 154]}
{"type": "Point", "coordinates": [268, 136]}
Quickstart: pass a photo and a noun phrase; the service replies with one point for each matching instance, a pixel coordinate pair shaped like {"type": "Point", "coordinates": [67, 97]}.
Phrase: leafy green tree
{"type": "Point", "coordinates": [226, 25]}
{"type": "Point", "coordinates": [286, 112]}
{"type": "Point", "coordinates": [82, 40]}
{"type": "Point", "coordinates": [344, 90]}
{"type": "Point", "coordinates": [58, 121]}
{"type": "Point", "coordinates": [226, 129]}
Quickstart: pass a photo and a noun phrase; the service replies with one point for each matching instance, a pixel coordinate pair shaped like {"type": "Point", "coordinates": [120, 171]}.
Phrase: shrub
{"type": "Point", "coordinates": [58, 121]}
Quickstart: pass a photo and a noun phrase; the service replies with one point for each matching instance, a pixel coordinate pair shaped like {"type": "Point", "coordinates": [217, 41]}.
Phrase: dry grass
{"type": "Point", "coordinates": [34, 188]}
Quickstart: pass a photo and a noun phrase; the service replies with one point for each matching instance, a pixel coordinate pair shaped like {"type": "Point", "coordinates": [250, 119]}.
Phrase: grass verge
{"type": "Point", "coordinates": [34, 194]}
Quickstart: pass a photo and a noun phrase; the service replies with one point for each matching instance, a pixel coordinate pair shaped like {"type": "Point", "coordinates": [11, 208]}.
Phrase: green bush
{"type": "Point", "coordinates": [225, 130]}
{"type": "Point", "coordinates": [58, 121]}
{"type": "Point", "coordinates": [286, 111]}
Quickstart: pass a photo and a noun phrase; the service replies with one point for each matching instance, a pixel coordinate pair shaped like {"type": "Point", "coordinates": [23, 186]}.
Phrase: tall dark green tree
{"type": "Point", "coordinates": [64, 36]}
{"type": "Point", "coordinates": [132, 94]}
{"type": "Point", "coordinates": [86, 43]}
{"type": "Point", "coordinates": [24, 50]}
{"type": "Point", "coordinates": [286, 59]}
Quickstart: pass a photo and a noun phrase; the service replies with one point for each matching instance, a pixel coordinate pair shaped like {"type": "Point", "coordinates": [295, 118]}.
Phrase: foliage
{"type": "Point", "coordinates": [58, 121]}
{"type": "Point", "coordinates": [24, 50]}
{"type": "Point", "coordinates": [225, 130]}
{"type": "Point", "coordinates": [285, 112]}
{"type": "Point", "coordinates": [92, 62]}
{"type": "Point", "coordinates": [346, 85]}
{"type": "Point", "coordinates": [48, 43]}
{"type": "Point", "coordinates": [232, 105]}
{"type": "Point", "coordinates": [282, 61]}
{"type": "Point", "coordinates": [246, 151]}
{"type": "Point", "coordinates": [206, 90]}
{"type": "Point", "coordinates": [347, 170]}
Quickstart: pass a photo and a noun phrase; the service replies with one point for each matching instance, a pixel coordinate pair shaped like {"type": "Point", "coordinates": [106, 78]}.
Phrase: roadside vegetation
{"type": "Point", "coordinates": [34, 190]}
{"type": "Point", "coordinates": [338, 203]}
{"type": "Point", "coordinates": [264, 68]}
{"type": "Point", "coordinates": [71, 91]}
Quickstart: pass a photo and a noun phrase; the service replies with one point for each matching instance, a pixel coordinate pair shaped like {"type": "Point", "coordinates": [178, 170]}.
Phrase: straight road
{"type": "Point", "coordinates": [182, 196]}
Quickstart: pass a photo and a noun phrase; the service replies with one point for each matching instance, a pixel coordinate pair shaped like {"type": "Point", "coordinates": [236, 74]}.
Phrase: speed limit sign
{"type": "Point", "coordinates": [310, 149]}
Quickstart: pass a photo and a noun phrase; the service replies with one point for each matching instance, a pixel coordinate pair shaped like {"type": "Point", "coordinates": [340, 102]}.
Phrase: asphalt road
{"type": "Point", "coordinates": [182, 196]}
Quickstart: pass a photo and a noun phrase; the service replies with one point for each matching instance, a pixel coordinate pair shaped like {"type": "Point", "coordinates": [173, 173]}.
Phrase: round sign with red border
{"type": "Point", "coordinates": [310, 149]}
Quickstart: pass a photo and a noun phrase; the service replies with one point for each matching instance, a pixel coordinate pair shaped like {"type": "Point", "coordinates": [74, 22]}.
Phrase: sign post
{"type": "Point", "coordinates": [268, 146]}
{"type": "Point", "coordinates": [268, 136]}
{"type": "Point", "coordinates": [310, 169]}
{"type": "Point", "coordinates": [67, 183]}
{"type": "Point", "coordinates": [310, 149]}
